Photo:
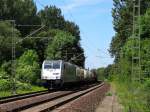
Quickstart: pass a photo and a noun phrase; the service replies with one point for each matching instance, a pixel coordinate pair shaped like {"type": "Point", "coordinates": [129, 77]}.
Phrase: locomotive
{"type": "Point", "coordinates": [58, 73]}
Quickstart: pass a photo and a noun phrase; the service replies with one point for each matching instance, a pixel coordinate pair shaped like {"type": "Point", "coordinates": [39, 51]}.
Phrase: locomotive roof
{"type": "Point", "coordinates": [64, 62]}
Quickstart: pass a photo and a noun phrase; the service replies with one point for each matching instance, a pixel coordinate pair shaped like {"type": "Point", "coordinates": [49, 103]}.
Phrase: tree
{"type": "Point", "coordinates": [73, 29]}
{"type": "Point", "coordinates": [63, 46]}
{"type": "Point", "coordinates": [6, 35]}
{"type": "Point", "coordinates": [122, 14]}
{"type": "Point", "coordinates": [100, 72]}
{"type": "Point", "coordinates": [22, 11]}
{"type": "Point", "coordinates": [145, 25]}
{"type": "Point", "coordinates": [132, 91]}
{"type": "Point", "coordinates": [52, 17]}
{"type": "Point", "coordinates": [27, 69]}
{"type": "Point", "coordinates": [3, 74]}
{"type": "Point", "coordinates": [61, 41]}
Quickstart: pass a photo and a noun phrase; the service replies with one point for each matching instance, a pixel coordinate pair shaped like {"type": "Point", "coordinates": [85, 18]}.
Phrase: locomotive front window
{"type": "Point", "coordinates": [56, 65]}
{"type": "Point", "coordinates": [47, 66]}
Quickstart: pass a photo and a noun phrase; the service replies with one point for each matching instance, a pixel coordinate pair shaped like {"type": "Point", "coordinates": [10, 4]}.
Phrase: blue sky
{"type": "Point", "coordinates": [95, 22]}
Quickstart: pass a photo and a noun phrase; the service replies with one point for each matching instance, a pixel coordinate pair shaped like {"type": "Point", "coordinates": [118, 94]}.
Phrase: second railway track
{"type": "Point", "coordinates": [45, 102]}
{"type": "Point", "coordinates": [21, 96]}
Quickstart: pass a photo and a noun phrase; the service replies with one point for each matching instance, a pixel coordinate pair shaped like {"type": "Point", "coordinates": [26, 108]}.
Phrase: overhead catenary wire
{"type": "Point", "coordinates": [81, 31]}
{"type": "Point", "coordinates": [40, 3]}
{"type": "Point", "coordinates": [92, 47]}
{"type": "Point", "coordinates": [13, 70]}
{"type": "Point", "coordinates": [70, 16]}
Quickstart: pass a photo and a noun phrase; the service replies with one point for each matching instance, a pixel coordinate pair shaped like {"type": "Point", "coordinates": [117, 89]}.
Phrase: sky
{"type": "Point", "coordinates": [95, 22]}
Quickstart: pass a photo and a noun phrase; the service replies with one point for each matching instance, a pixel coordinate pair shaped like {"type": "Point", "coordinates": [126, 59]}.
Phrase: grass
{"type": "Point", "coordinates": [131, 100]}
{"type": "Point", "coordinates": [33, 89]}
{"type": "Point", "coordinates": [109, 94]}
{"type": "Point", "coordinates": [5, 93]}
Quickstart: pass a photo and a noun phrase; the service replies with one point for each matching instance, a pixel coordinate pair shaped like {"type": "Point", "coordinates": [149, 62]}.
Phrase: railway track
{"type": "Point", "coordinates": [45, 102]}
{"type": "Point", "coordinates": [21, 96]}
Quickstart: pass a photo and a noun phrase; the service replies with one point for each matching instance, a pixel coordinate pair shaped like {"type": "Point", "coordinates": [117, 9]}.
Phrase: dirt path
{"type": "Point", "coordinates": [110, 103]}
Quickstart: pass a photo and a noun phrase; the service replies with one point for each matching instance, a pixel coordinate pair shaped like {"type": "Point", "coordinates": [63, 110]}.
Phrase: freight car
{"type": "Point", "coordinates": [58, 73]}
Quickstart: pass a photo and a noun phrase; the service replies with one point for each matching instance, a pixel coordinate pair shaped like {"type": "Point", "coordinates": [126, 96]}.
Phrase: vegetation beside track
{"type": "Point", "coordinates": [57, 39]}
{"type": "Point", "coordinates": [22, 91]}
{"type": "Point", "coordinates": [134, 95]}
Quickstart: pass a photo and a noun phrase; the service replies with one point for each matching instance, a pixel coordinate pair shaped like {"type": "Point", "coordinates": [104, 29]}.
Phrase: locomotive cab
{"type": "Point", "coordinates": [51, 72]}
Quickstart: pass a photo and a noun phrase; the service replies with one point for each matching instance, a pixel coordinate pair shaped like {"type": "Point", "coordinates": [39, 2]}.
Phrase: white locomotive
{"type": "Point", "coordinates": [57, 73]}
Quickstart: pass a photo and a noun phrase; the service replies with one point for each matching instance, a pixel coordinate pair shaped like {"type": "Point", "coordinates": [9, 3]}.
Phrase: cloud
{"type": "Point", "coordinates": [80, 3]}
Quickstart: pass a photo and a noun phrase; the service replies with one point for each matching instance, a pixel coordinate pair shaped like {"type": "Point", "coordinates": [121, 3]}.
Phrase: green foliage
{"type": "Point", "coordinates": [64, 46]}
{"type": "Point", "coordinates": [5, 84]}
{"type": "Point", "coordinates": [23, 86]}
{"type": "Point", "coordinates": [122, 14]}
{"type": "Point", "coordinates": [127, 53]}
{"type": "Point", "coordinates": [28, 67]}
{"type": "Point", "coordinates": [61, 41]}
{"type": "Point", "coordinates": [6, 35]}
{"type": "Point", "coordinates": [109, 94]}
{"type": "Point", "coordinates": [32, 88]}
{"type": "Point", "coordinates": [56, 38]}
{"type": "Point", "coordinates": [28, 58]}
{"type": "Point", "coordinates": [22, 11]}
{"type": "Point", "coordinates": [107, 71]}
{"type": "Point", "coordinates": [73, 29]}
{"type": "Point", "coordinates": [6, 29]}
{"type": "Point", "coordinates": [52, 17]}
{"type": "Point", "coordinates": [100, 73]}
{"type": "Point", "coordinates": [6, 67]}
{"type": "Point", "coordinates": [3, 74]}
{"type": "Point", "coordinates": [145, 24]}
{"type": "Point", "coordinates": [133, 95]}
{"type": "Point", "coordinates": [146, 91]}
{"type": "Point", "coordinates": [145, 56]}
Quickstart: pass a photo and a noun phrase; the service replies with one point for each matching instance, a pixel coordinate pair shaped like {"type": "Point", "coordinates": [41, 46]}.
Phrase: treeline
{"type": "Point", "coordinates": [38, 36]}
{"type": "Point", "coordinates": [134, 95]}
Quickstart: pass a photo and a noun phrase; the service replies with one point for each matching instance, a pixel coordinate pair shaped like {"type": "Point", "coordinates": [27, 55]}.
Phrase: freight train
{"type": "Point", "coordinates": [57, 73]}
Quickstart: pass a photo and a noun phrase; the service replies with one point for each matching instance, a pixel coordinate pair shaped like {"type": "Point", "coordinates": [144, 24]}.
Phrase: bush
{"type": "Point", "coordinates": [23, 86]}
{"type": "Point", "coordinates": [26, 74]}
{"type": "Point", "coordinates": [3, 74]}
{"type": "Point", "coordinates": [5, 85]}
{"type": "Point", "coordinates": [28, 68]}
